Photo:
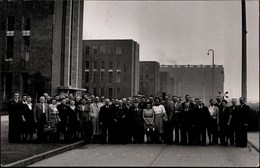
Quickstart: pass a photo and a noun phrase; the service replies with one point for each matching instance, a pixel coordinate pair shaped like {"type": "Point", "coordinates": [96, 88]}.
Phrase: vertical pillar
{"type": "Point", "coordinates": [244, 51]}
{"type": "Point", "coordinates": [67, 46]}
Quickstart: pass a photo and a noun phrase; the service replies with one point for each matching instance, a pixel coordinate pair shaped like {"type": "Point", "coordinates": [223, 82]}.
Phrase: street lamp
{"type": "Point", "coordinates": [212, 70]}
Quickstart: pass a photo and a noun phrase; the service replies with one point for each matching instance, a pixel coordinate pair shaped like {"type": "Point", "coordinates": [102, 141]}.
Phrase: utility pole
{"type": "Point", "coordinates": [244, 51]}
{"type": "Point", "coordinates": [213, 73]}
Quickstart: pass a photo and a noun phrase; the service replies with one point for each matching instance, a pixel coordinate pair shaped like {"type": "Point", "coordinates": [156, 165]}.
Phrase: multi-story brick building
{"type": "Point", "coordinates": [149, 78]}
{"type": "Point", "coordinates": [41, 44]}
{"type": "Point", "coordinates": [195, 80]}
{"type": "Point", "coordinates": [111, 67]}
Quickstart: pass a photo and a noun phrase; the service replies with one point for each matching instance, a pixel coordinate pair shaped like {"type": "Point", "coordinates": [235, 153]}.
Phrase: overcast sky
{"type": "Point", "coordinates": [180, 32]}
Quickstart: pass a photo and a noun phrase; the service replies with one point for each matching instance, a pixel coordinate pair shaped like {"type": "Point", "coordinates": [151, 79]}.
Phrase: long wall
{"type": "Point", "coordinates": [195, 80]}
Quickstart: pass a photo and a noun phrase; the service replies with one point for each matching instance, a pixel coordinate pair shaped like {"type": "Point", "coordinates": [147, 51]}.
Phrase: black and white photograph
{"type": "Point", "coordinates": [129, 83]}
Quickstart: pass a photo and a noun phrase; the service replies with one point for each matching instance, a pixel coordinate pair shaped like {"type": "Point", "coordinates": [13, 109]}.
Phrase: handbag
{"type": "Point", "coordinates": [49, 127]}
{"type": "Point", "coordinates": [165, 118]}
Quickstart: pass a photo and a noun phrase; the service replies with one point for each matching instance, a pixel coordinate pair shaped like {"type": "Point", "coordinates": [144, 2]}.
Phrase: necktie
{"type": "Point", "coordinates": [43, 108]}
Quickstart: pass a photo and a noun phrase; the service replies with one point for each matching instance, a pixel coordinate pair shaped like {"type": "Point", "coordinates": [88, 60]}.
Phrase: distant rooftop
{"type": "Point", "coordinates": [190, 66]}
{"type": "Point", "coordinates": [108, 40]}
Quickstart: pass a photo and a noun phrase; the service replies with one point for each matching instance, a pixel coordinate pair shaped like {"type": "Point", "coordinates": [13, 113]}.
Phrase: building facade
{"type": "Point", "coordinates": [164, 83]}
{"type": "Point", "coordinates": [111, 67]}
{"type": "Point", "coordinates": [149, 78]}
{"type": "Point", "coordinates": [194, 80]}
{"type": "Point", "coordinates": [42, 42]}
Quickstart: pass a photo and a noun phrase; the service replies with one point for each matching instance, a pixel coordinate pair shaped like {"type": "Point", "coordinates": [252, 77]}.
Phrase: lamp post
{"type": "Point", "coordinates": [212, 70]}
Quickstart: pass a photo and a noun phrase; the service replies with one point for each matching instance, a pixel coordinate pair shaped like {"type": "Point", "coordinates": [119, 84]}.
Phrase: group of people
{"type": "Point", "coordinates": [128, 120]}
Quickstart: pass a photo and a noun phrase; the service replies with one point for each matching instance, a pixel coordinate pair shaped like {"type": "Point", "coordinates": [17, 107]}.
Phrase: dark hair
{"type": "Point", "coordinates": [16, 92]}
{"type": "Point", "coordinates": [53, 99]}
{"type": "Point", "coordinates": [224, 101]}
{"type": "Point", "coordinates": [28, 97]}
{"type": "Point", "coordinates": [157, 98]}
{"type": "Point", "coordinates": [136, 101]}
{"type": "Point", "coordinates": [83, 99]}
{"type": "Point", "coordinates": [62, 98]}
{"type": "Point", "coordinates": [242, 98]}
{"type": "Point", "coordinates": [148, 103]}
{"type": "Point", "coordinates": [211, 100]}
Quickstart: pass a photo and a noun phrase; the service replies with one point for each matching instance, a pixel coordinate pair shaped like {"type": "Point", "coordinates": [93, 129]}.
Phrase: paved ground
{"type": "Point", "coordinates": [12, 152]}
{"type": "Point", "coordinates": [155, 155]}
{"type": "Point", "coordinates": [134, 154]}
{"type": "Point", "coordinates": [253, 137]}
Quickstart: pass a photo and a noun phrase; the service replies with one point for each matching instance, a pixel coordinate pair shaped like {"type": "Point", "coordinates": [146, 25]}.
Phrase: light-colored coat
{"type": "Point", "coordinates": [95, 108]}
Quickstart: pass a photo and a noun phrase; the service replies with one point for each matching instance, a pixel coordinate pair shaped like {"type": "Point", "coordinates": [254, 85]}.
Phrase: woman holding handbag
{"type": "Point", "coordinates": [160, 116]}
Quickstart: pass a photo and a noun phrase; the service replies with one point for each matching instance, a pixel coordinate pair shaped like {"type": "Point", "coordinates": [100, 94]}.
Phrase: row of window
{"type": "Point", "coordinates": [10, 23]}
{"type": "Point", "coordinates": [10, 47]}
{"type": "Point", "coordinates": [188, 66]}
{"type": "Point", "coordinates": [101, 92]}
{"type": "Point", "coordinates": [103, 50]}
{"type": "Point", "coordinates": [102, 64]}
{"type": "Point", "coordinates": [100, 77]}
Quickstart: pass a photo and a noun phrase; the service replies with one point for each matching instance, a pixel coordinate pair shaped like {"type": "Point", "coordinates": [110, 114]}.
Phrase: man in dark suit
{"type": "Point", "coordinates": [105, 121]}
{"type": "Point", "coordinates": [85, 118]}
{"type": "Point", "coordinates": [14, 108]}
{"type": "Point", "coordinates": [218, 103]}
{"type": "Point", "coordinates": [121, 123]}
{"type": "Point", "coordinates": [136, 118]}
{"type": "Point", "coordinates": [186, 125]}
{"type": "Point", "coordinates": [241, 123]}
{"type": "Point", "coordinates": [169, 125]}
{"type": "Point", "coordinates": [203, 118]}
{"type": "Point", "coordinates": [41, 117]}
{"type": "Point", "coordinates": [142, 104]}
{"type": "Point", "coordinates": [224, 118]}
{"type": "Point", "coordinates": [177, 107]}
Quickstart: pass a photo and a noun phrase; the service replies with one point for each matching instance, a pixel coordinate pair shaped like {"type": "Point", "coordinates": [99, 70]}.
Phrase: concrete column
{"type": "Point", "coordinates": [75, 44]}
{"type": "Point", "coordinates": [67, 47]}
{"type": "Point", "coordinates": [57, 40]}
